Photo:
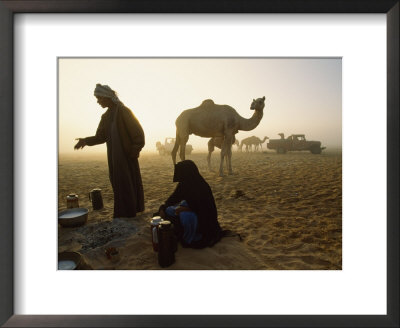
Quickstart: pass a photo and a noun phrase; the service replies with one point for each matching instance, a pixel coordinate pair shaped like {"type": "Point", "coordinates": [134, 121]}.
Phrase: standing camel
{"type": "Point", "coordinates": [252, 141]}
{"type": "Point", "coordinates": [262, 141]}
{"type": "Point", "coordinates": [217, 142]}
{"type": "Point", "coordinates": [211, 120]}
{"type": "Point", "coordinates": [260, 144]}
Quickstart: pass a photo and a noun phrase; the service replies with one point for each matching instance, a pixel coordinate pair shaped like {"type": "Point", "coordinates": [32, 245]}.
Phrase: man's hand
{"type": "Point", "coordinates": [81, 143]}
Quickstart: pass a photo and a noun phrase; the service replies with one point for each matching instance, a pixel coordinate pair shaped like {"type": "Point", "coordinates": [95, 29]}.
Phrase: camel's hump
{"type": "Point", "coordinates": [207, 102]}
{"type": "Point", "coordinates": [207, 107]}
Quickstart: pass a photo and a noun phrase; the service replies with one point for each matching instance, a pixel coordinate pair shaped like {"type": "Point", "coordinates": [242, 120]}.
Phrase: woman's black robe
{"type": "Point", "coordinates": [124, 136]}
{"type": "Point", "coordinates": [195, 190]}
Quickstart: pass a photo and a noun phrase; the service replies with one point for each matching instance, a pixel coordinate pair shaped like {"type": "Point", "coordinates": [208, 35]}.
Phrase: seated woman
{"type": "Point", "coordinates": [191, 208]}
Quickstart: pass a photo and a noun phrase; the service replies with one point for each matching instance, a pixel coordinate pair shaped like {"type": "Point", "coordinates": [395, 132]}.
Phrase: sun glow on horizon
{"type": "Point", "coordinates": [302, 95]}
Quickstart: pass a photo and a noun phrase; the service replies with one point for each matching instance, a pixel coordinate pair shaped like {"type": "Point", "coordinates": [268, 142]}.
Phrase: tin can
{"type": "Point", "coordinates": [154, 225]}
{"type": "Point", "coordinates": [72, 201]}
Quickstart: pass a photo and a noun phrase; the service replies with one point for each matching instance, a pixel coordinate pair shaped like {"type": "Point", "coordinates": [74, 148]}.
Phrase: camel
{"type": "Point", "coordinates": [217, 142]}
{"type": "Point", "coordinates": [252, 141]}
{"type": "Point", "coordinates": [211, 120]}
{"type": "Point", "coordinates": [260, 143]}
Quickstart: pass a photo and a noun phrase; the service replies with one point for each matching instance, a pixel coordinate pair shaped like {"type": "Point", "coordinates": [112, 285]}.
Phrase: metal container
{"type": "Point", "coordinates": [69, 261]}
{"type": "Point", "coordinates": [72, 201]}
{"type": "Point", "coordinates": [166, 240]}
{"type": "Point", "coordinates": [73, 217]}
{"type": "Point", "coordinates": [154, 224]}
{"type": "Point", "coordinates": [96, 199]}
{"type": "Point", "coordinates": [72, 261]}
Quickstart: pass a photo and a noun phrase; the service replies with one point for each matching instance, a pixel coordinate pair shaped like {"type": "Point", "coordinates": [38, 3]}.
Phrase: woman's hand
{"type": "Point", "coordinates": [162, 213]}
{"type": "Point", "coordinates": [180, 209]}
{"type": "Point", "coordinates": [81, 143]}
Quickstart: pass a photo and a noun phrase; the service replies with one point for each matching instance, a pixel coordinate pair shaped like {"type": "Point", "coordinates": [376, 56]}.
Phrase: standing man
{"type": "Point", "coordinates": [124, 136]}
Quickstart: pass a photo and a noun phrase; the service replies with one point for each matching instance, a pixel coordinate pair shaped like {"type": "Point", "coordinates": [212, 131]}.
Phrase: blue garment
{"type": "Point", "coordinates": [189, 222]}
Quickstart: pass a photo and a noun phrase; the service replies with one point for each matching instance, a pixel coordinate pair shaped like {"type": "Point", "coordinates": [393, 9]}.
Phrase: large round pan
{"type": "Point", "coordinates": [73, 217]}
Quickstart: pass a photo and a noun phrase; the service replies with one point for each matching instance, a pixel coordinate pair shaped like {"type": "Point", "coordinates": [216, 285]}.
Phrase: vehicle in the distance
{"type": "Point", "coordinates": [295, 142]}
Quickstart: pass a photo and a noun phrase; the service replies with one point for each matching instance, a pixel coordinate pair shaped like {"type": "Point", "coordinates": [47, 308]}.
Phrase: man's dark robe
{"type": "Point", "coordinates": [124, 136]}
{"type": "Point", "coordinates": [196, 191]}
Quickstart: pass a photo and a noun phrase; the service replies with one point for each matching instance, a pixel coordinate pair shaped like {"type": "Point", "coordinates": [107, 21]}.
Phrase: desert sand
{"type": "Point", "coordinates": [287, 209]}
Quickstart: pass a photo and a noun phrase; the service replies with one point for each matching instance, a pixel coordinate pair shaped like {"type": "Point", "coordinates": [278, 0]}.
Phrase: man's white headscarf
{"type": "Point", "coordinates": [106, 91]}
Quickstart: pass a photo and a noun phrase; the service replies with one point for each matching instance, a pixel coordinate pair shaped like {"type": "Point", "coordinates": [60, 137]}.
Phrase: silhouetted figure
{"type": "Point", "coordinates": [191, 208]}
{"type": "Point", "coordinates": [124, 137]}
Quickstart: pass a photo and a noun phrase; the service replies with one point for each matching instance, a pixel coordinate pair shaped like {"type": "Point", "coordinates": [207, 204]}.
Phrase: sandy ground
{"type": "Point", "coordinates": [287, 209]}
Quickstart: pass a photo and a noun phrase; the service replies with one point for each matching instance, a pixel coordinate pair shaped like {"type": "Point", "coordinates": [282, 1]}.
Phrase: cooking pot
{"type": "Point", "coordinates": [73, 217]}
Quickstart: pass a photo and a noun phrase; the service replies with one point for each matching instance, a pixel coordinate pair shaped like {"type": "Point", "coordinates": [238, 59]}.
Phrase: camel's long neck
{"type": "Point", "coordinates": [250, 123]}
{"type": "Point", "coordinates": [265, 138]}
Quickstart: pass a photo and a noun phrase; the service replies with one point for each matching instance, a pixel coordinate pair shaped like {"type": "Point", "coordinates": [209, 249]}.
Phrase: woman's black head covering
{"type": "Point", "coordinates": [186, 172]}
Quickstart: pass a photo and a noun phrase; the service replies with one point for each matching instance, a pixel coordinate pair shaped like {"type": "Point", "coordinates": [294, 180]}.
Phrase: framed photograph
{"type": "Point", "coordinates": [306, 199]}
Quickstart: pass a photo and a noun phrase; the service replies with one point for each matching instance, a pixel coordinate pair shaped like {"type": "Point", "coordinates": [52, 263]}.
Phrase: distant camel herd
{"type": "Point", "coordinates": [252, 141]}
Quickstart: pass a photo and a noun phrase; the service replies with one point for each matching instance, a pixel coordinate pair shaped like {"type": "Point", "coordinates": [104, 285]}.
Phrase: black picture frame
{"type": "Point", "coordinates": [10, 7]}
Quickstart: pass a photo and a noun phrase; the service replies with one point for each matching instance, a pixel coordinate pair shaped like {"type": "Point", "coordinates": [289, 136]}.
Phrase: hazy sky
{"type": "Point", "coordinates": [302, 95]}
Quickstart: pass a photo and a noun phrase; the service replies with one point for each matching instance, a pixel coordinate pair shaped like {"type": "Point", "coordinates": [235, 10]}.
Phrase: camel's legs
{"type": "Point", "coordinates": [175, 149]}
{"type": "Point", "coordinates": [182, 147]}
{"type": "Point", "coordinates": [229, 156]}
{"type": "Point", "coordinates": [209, 161]}
{"type": "Point", "coordinates": [221, 163]}
{"type": "Point", "coordinates": [226, 152]}
{"type": "Point", "coordinates": [210, 150]}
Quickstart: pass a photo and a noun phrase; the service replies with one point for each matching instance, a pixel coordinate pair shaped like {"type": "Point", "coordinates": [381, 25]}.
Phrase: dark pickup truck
{"type": "Point", "coordinates": [294, 142]}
